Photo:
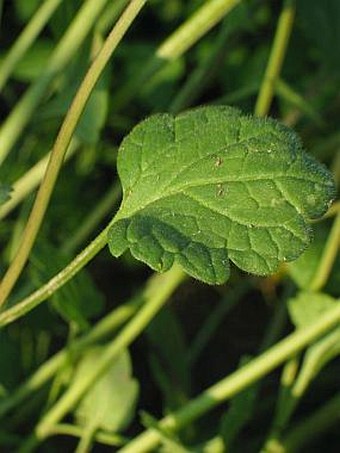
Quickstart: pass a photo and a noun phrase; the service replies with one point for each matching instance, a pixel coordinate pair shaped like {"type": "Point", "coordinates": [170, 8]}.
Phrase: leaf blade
{"type": "Point", "coordinates": [211, 185]}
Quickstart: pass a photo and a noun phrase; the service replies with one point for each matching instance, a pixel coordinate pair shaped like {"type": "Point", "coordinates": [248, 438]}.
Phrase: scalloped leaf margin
{"type": "Point", "coordinates": [212, 185]}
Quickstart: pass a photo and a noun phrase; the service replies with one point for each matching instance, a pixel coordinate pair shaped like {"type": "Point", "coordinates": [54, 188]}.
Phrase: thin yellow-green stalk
{"type": "Point", "coordinates": [61, 144]}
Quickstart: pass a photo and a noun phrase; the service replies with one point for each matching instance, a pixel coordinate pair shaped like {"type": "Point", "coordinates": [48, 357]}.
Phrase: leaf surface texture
{"type": "Point", "coordinates": [212, 185]}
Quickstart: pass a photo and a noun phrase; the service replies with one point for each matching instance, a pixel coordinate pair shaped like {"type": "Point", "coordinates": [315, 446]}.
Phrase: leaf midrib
{"type": "Point", "coordinates": [180, 189]}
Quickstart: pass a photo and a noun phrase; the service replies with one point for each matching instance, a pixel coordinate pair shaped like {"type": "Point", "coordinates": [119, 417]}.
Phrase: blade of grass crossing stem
{"type": "Point", "coordinates": [61, 144]}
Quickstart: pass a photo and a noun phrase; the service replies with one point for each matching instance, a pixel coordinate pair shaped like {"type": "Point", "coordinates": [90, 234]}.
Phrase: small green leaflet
{"type": "Point", "coordinates": [308, 306]}
{"type": "Point", "coordinates": [304, 309]}
{"type": "Point", "coordinates": [110, 402]}
{"type": "Point", "coordinates": [212, 185]}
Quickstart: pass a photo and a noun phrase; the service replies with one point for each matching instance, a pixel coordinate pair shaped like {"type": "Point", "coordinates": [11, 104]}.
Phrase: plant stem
{"type": "Point", "coordinates": [197, 81]}
{"type": "Point", "coordinates": [75, 35]}
{"type": "Point", "coordinates": [237, 381]}
{"type": "Point", "coordinates": [276, 325]}
{"type": "Point", "coordinates": [86, 438]}
{"type": "Point", "coordinates": [115, 440]}
{"type": "Point", "coordinates": [316, 358]}
{"type": "Point", "coordinates": [328, 257]}
{"type": "Point", "coordinates": [156, 294]}
{"type": "Point", "coordinates": [110, 15]}
{"type": "Point", "coordinates": [285, 404]}
{"type": "Point", "coordinates": [60, 279]}
{"type": "Point", "coordinates": [177, 44]}
{"type": "Point", "coordinates": [278, 51]}
{"type": "Point", "coordinates": [56, 282]}
{"type": "Point", "coordinates": [194, 28]}
{"type": "Point", "coordinates": [47, 370]}
{"type": "Point", "coordinates": [61, 144]}
{"type": "Point", "coordinates": [26, 38]}
{"type": "Point", "coordinates": [29, 181]}
{"type": "Point", "coordinates": [333, 210]}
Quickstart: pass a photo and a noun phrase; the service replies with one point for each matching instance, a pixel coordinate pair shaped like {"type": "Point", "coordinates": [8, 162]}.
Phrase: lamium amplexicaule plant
{"type": "Point", "coordinates": [225, 220]}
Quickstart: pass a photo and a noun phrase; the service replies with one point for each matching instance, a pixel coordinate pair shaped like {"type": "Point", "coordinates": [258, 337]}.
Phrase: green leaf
{"type": "Point", "coordinates": [320, 354]}
{"type": "Point", "coordinates": [308, 306]}
{"type": "Point", "coordinates": [304, 309]}
{"type": "Point", "coordinates": [211, 185]}
{"type": "Point", "coordinates": [302, 270]}
{"type": "Point", "coordinates": [110, 403]}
